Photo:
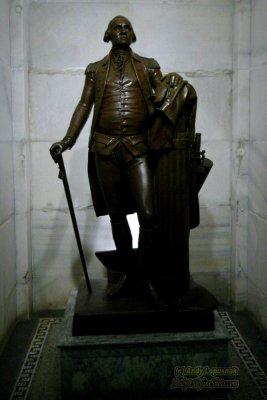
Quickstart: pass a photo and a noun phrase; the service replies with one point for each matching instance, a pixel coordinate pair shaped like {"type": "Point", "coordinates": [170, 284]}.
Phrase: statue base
{"type": "Point", "coordinates": [173, 289]}
{"type": "Point", "coordinates": [134, 312]}
{"type": "Point", "coordinates": [136, 365]}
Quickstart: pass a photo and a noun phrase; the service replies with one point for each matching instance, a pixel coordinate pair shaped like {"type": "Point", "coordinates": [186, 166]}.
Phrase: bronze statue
{"type": "Point", "coordinates": [139, 118]}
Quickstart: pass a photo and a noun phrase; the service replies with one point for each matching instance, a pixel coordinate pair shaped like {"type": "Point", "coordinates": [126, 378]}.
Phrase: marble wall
{"type": "Point", "coordinates": [7, 202]}
{"type": "Point", "coordinates": [239, 156]}
{"type": "Point", "coordinates": [194, 38]}
{"type": "Point", "coordinates": [19, 34]}
{"type": "Point", "coordinates": [257, 224]}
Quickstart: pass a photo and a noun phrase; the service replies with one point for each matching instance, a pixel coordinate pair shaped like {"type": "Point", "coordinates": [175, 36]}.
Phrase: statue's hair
{"type": "Point", "coordinates": [107, 36]}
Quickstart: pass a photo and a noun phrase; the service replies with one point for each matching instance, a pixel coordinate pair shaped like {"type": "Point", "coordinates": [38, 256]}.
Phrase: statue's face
{"type": "Point", "coordinates": [121, 33]}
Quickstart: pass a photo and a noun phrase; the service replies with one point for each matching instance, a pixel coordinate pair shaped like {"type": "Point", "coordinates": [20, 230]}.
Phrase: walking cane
{"type": "Point", "coordinates": [62, 175]}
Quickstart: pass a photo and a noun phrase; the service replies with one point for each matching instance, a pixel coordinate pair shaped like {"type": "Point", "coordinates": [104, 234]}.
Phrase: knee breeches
{"type": "Point", "coordinates": [135, 175]}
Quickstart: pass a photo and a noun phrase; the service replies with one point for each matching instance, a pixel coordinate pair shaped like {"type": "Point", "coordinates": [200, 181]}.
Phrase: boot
{"type": "Point", "coordinates": [123, 241]}
{"type": "Point", "coordinates": [116, 281]}
{"type": "Point", "coordinates": [147, 251]}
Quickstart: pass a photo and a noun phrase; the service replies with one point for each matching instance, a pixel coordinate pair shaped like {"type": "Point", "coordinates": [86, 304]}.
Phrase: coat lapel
{"type": "Point", "coordinates": [100, 83]}
{"type": "Point", "coordinates": [143, 79]}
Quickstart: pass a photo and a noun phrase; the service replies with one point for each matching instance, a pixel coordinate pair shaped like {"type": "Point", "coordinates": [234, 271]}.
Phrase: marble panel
{"type": "Point", "coordinates": [51, 292]}
{"type": "Point", "coordinates": [241, 36]}
{"type": "Point", "coordinates": [7, 225]}
{"type": "Point", "coordinates": [7, 277]}
{"type": "Point", "coordinates": [258, 36]}
{"type": "Point", "coordinates": [5, 102]}
{"type": "Point", "coordinates": [19, 33]}
{"type": "Point", "coordinates": [53, 98]}
{"type": "Point", "coordinates": [4, 32]}
{"type": "Point", "coordinates": [193, 37]}
{"type": "Point", "coordinates": [6, 181]}
{"type": "Point", "coordinates": [201, 33]}
{"type": "Point", "coordinates": [47, 189]}
{"type": "Point", "coordinates": [216, 189]}
{"type": "Point", "coordinates": [24, 300]}
{"type": "Point", "coordinates": [258, 118]}
{"type": "Point", "coordinates": [239, 252]}
{"type": "Point", "coordinates": [240, 168]}
{"type": "Point", "coordinates": [258, 178]}
{"type": "Point", "coordinates": [214, 108]}
{"type": "Point", "coordinates": [22, 176]}
{"type": "Point", "coordinates": [241, 105]}
{"type": "Point", "coordinates": [239, 225]}
{"type": "Point", "coordinates": [54, 246]}
{"type": "Point", "coordinates": [60, 33]}
{"type": "Point", "coordinates": [240, 246]}
{"type": "Point", "coordinates": [257, 253]}
{"type": "Point", "coordinates": [218, 283]}
{"type": "Point", "coordinates": [8, 255]}
{"type": "Point", "coordinates": [20, 104]}
{"type": "Point", "coordinates": [257, 306]}
{"type": "Point", "coordinates": [23, 248]}
{"type": "Point", "coordinates": [22, 185]}
{"type": "Point", "coordinates": [210, 242]}
{"type": "Point", "coordinates": [2, 308]}
{"type": "Point", "coordinates": [240, 151]}
{"type": "Point", "coordinates": [8, 316]}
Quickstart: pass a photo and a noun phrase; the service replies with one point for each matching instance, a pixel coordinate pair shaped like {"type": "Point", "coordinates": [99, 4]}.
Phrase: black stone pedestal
{"type": "Point", "coordinates": [134, 312]}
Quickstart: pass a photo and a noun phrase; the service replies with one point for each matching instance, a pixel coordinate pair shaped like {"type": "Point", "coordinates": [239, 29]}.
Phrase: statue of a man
{"type": "Point", "coordinates": [121, 88]}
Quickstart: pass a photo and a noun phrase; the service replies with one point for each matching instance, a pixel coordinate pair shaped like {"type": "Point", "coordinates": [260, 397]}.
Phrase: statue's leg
{"type": "Point", "coordinates": [121, 232]}
{"type": "Point", "coordinates": [141, 179]}
{"type": "Point", "coordinates": [110, 179]}
{"type": "Point", "coordinates": [141, 182]}
{"type": "Point", "coordinates": [146, 246]}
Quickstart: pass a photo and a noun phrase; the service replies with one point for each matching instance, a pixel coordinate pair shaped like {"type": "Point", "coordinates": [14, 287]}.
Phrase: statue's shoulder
{"type": "Point", "coordinates": [150, 63]}
{"type": "Point", "coordinates": [93, 67]}
{"type": "Point", "coordinates": [191, 91]}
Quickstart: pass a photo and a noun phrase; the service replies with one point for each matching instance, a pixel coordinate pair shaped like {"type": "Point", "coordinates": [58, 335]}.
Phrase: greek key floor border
{"type": "Point", "coordinates": [254, 369]}
{"type": "Point", "coordinates": [29, 366]}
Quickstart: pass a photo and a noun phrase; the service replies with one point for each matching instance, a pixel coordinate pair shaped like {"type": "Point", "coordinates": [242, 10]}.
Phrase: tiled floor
{"type": "Point", "coordinates": [14, 353]}
{"type": "Point", "coordinates": [251, 334]}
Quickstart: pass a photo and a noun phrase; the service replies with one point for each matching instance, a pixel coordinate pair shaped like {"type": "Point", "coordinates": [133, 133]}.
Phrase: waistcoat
{"type": "Point", "coordinates": [123, 109]}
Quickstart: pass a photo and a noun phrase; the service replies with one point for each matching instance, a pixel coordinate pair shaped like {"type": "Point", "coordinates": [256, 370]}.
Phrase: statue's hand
{"type": "Point", "coordinates": [168, 81]}
{"type": "Point", "coordinates": [57, 148]}
{"type": "Point", "coordinates": [173, 79]}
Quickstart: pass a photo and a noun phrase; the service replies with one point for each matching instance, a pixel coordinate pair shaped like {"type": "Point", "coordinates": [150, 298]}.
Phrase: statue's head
{"type": "Point", "coordinates": [120, 32]}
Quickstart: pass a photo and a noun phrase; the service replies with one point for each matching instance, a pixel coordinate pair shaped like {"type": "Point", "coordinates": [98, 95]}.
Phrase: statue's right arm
{"type": "Point", "coordinates": [78, 120]}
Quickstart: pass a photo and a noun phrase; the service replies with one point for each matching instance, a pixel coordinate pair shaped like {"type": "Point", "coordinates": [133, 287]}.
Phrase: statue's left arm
{"type": "Point", "coordinates": [155, 74]}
